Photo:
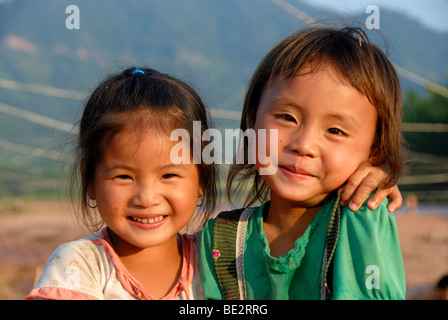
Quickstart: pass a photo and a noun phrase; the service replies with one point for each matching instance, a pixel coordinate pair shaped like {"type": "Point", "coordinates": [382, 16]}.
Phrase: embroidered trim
{"type": "Point", "coordinates": [224, 235]}
{"type": "Point", "coordinates": [330, 247]}
{"type": "Point", "coordinates": [240, 242]}
{"type": "Point", "coordinates": [323, 288]}
{"type": "Point", "coordinates": [229, 231]}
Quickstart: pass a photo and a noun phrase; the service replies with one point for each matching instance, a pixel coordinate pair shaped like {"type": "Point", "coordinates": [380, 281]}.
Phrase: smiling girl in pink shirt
{"type": "Point", "coordinates": [128, 178]}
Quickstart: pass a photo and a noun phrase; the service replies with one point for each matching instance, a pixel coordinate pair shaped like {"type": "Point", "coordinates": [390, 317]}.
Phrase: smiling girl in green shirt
{"type": "Point", "coordinates": [334, 101]}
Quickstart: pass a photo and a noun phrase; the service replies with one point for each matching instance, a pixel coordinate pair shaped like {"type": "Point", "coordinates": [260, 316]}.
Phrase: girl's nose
{"type": "Point", "coordinates": [146, 196]}
{"type": "Point", "coordinates": [304, 142]}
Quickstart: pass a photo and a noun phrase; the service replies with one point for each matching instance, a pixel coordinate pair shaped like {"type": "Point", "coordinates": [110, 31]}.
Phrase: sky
{"type": "Point", "coordinates": [432, 13]}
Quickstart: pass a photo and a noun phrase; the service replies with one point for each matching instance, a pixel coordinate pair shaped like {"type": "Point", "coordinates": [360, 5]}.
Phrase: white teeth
{"type": "Point", "coordinates": [147, 220]}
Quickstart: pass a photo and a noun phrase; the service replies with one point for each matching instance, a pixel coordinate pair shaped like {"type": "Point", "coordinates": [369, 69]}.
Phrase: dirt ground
{"type": "Point", "coordinates": [29, 232]}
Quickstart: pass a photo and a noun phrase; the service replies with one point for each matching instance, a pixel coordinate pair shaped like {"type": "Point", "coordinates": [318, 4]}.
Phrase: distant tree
{"type": "Point", "coordinates": [430, 108]}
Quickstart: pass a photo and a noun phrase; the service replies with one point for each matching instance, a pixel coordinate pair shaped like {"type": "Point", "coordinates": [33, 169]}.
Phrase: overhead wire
{"type": "Point", "coordinates": [42, 90]}
{"type": "Point", "coordinates": [33, 151]}
{"type": "Point", "coordinates": [37, 118]}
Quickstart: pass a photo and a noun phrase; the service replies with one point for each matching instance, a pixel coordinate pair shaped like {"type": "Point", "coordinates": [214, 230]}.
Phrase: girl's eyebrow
{"type": "Point", "coordinates": [282, 102]}
{"type": "Point", "coordinates": [346, 118]}
{"type": "Point", "coordinates": [117, 166]}
{"type": "Point", "coordinates": [343, 117]}
{"type": "Point", "coordinates": [285, 101]}
{"type": "Point", "coordinates": [181, 166]}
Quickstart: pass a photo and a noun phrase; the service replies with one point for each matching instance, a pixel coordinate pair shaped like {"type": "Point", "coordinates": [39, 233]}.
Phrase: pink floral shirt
{"type": "Point", "coordinates": [89, 268]}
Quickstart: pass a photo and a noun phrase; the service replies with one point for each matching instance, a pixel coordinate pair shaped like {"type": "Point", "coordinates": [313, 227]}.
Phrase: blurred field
{"type": "Point", "coordinates": [424, 246]}
{"type": "Point", "coordinates": [30, 231]}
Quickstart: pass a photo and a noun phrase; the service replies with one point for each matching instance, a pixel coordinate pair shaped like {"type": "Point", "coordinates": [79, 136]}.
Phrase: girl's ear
{"type": "Point", "coordinates": [89, 189]}
{"type": "Point", "coordinates": [375, 158]}
{"type": "Point", "coordinates": [200, 191]}
{"type": "Point", "coordinates": [200, 201]}
{"type": "Point", "coordinates": [90, 193]}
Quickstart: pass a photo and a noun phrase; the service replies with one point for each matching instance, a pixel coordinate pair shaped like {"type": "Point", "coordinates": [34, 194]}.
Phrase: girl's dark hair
{"type": "Point", "coordinates": [170, 104]}
{"type": "Point", "coordinates": [359, 63]}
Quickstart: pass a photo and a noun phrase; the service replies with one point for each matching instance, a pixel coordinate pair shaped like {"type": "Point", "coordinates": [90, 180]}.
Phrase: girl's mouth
{"type": "Point", "coordinates": [147, 220]}
{"type": "Point", "coordinates": [295, 174]}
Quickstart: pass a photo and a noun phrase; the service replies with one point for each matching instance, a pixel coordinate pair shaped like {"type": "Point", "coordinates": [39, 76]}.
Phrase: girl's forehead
{"type": "Point", "coordinates": [307, 77]}
{"type": "Point", "coordinates": [319, 90]}
{"type": "Point", "coordinates": [146, 144]}
{"type": "Point", "coordinates": [133, 136]}
{"type": "Point", "coordinates": [147, 118]}
{"type": "Point", "coordinates": [308, 80]}
{"type": "Point", "coordinates": [310, 70]}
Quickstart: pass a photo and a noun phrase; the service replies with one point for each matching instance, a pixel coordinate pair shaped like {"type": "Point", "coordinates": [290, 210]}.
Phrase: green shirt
{"type": "Point", "coordinates": [367, 260]}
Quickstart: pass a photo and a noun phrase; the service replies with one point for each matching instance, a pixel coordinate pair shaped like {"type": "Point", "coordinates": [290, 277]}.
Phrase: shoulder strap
{"type": "Point", "coordinates": [330, 247]}
{"type": "Point", "coordinates": [225, 231]}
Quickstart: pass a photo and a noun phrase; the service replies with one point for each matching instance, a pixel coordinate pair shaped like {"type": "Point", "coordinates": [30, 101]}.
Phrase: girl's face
{"type": "Point", "coordinates": [141, 195]}
{"type": "Point", "coordinates": [325, 131]}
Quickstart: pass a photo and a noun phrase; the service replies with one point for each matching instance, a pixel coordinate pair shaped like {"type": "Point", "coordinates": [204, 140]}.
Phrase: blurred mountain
{"type": "Point", "coordinates": [214, 45]}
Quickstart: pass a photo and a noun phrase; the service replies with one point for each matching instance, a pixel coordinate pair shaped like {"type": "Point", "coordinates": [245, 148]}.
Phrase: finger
{"type": "Point", "coordinates": [352, 184]}
{"type": "Point", "coordinates": [339, 192]}
{"type": "Point", "coordinates": [354, 181]}
{"type": "Point", "coordinates": [378, 197]}
{"type": "Point", "coordinates": [362, 193]}
{"type": "Point", "coordinates": [397, 199]}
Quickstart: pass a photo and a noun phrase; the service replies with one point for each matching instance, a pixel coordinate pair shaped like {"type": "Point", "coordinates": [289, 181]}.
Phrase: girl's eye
{"type": "Point", "coordinates": [335, 131]}
{"type": "Point", "coordinates": [124, 177]}
{"type": "Point", "coordinates": [287, 117]}
{"type": "Point", "coordinates": [169, 175]}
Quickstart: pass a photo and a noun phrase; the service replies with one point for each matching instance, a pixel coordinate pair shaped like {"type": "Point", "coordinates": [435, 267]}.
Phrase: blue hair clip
{"type": "Point", "coordinates": [137, 71]}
